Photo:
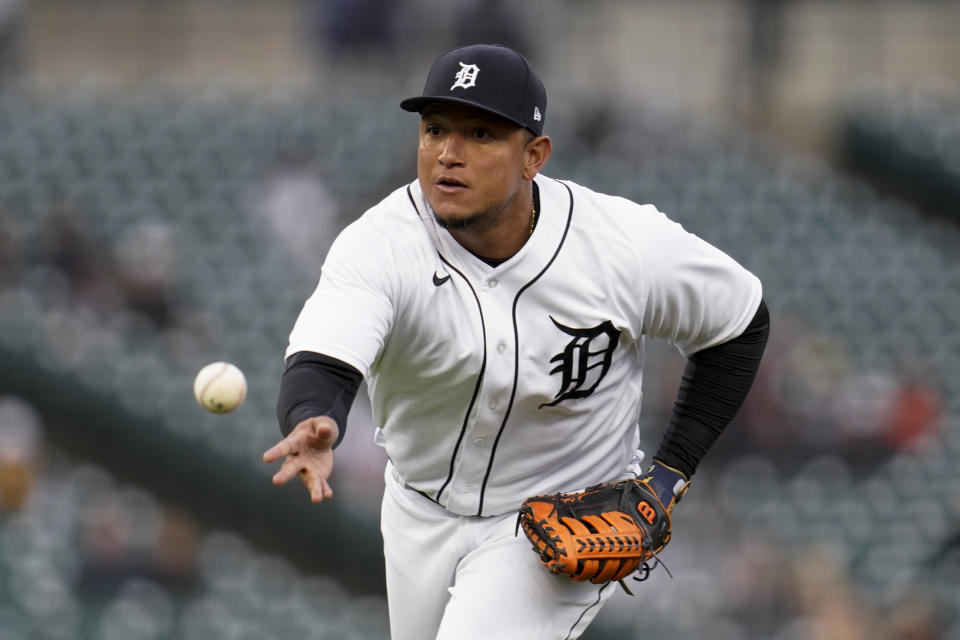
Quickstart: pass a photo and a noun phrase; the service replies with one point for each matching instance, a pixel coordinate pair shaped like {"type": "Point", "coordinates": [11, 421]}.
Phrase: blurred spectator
{"type": "Point", "coordinates": [146, 269]}
{"type": "Point", "coordinates": [175, 553]}
{"type": "Point", "coordinates": [913, 619]}
{"type": "Point", "coordinates": [758, 588]}
{"type": "Point", "coordinates": [21, 448]}
{"type": "Point", "coordinates": [127, 534]}
{"type": "Point", "coordinates": [70, 248]}
{"type": "Point", "coordinates": [860, 406]}
{"type": "Point", "coordinates": [914, 415]}
{"type": "Point", "coordinates": [829, 604]}
{"type": "Point", "coordinates": [138, 273]}
{"type": "Point", "coordinates": [811, 396]}
{"type": "Point", "coordinates": [112, 533]}
{"type": "Point", "coordinates": [814, 369]}
{"type": "Point", "coordinates": [297, 208]}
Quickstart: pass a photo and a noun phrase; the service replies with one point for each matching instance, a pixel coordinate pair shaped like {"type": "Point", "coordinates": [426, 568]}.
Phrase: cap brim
{"type": "Point", "coordinates": [418, 103]}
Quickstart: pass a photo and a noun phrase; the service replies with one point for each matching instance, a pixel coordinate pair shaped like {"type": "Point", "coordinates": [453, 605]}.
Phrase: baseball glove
{"type": "Point", "coordinates": [603, 533]}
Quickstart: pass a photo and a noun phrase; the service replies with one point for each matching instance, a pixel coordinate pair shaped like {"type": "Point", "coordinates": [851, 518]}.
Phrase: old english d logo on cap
{"type": "Point", "coordinates": [466, 77]}
{"type": "Point", "coordinates": [509, 88]}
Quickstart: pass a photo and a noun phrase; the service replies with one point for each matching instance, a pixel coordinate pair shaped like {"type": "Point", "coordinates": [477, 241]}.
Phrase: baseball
{"type": "Point", "coordinates": [220, 387]}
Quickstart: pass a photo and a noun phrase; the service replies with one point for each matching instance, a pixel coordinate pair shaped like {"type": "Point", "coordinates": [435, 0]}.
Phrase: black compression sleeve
{"type": "Point", "coordinates": [316, 385]}
{"type": "Point", "coordinates": [714, 385]}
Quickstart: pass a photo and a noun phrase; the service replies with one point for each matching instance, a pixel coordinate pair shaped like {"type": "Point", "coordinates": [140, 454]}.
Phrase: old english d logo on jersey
{"type": "Point", "coordinates": [584, 361]}
{"type": "Point", "coordinates": [466, 77]}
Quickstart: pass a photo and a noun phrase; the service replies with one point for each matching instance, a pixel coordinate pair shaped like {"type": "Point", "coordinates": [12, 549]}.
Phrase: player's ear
{"type": "Point", "coordinates": [535, 155]}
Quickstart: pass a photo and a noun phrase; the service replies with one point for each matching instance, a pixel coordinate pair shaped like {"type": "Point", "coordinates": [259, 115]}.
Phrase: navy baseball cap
{"type": "Point", "coordinates": [490, 77]}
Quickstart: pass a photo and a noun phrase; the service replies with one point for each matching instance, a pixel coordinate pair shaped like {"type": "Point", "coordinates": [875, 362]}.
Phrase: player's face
{"type": "Point", "coordinates": [471, 166]}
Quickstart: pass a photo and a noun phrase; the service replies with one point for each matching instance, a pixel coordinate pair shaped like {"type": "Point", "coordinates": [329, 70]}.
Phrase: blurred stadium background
{"type": "Point", "coordinates": [172, 172]}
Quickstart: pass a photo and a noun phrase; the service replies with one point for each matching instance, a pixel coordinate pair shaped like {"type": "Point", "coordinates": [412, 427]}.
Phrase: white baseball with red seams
{"type": "Point", "coordinates": [491, 384]}
{"type": "Point", "coordinates": [220, 387]}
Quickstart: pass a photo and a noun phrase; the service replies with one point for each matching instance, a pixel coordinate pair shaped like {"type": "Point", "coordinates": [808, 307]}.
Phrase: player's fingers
{"type": "Point", "coordinates": [290, 468]}
{"type": "Point", "coordinates": [324, 431]}
{"type": "Point", "coordinates": [321, 491]}
{"type": "Point", "coordinates": [314, 477]}
{"type": "Point", "coordinates": [282, 477]}
{"type": "Point", "coordinates": [280, 450]}
{"type": "Point", "coordinates": [316, 485]}
{"type": "Point", "coordinates": [293, 444]}
{"type": "Point", "coordinates": [312, 432]}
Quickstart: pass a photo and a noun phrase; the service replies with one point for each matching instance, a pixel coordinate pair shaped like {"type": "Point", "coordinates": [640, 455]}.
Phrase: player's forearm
{"type": "Point", "coordinates": [316, 385]}
{"type": "Point", "coordinates": [713, 387]}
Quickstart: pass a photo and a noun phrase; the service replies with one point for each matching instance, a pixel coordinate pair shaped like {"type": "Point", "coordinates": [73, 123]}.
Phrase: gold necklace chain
{"type": "Point", "coordinates": [533, 217]}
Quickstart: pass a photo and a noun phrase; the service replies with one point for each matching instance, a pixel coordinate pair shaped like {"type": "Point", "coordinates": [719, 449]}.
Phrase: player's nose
{"type": "Point", "coordinates": [451, 152]}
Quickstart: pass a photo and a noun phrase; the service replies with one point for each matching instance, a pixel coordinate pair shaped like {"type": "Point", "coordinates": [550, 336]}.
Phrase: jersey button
{"type": "Point", "coordinates": [493, 404]}
{"type": "Point", "coordinates": [493, 284]}
{"type": "Point", "coordinates": [478, 441]}
{"type": "Point", "coordinates": [501, 347]}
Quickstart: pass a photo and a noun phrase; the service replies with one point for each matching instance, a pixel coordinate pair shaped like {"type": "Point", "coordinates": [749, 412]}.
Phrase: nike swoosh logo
{"type": "Point", "coordinates": [437, 280]}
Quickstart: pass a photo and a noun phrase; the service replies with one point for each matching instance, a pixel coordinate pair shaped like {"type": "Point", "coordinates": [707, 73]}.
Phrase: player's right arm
{"type": "Point", "coordinates": [316, 392]}
{"type": "Point", "coordinates": [336, 339]}
{"type": "Point", "coordinates": [307, 453]}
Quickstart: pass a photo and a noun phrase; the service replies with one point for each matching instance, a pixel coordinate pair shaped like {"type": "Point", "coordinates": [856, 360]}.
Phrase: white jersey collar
{"type": "Point", "coordinates": [556, 210]}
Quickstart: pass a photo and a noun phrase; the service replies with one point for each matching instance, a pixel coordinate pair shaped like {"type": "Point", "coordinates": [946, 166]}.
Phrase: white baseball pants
{"type": "Point", "coordinates": [452, 577]}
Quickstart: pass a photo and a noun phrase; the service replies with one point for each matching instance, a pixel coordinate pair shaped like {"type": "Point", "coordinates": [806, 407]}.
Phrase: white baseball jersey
{"type": "Point", "coordinates": [491, 384]}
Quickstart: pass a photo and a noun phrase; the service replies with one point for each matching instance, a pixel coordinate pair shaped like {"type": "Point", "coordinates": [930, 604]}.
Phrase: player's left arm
{"type": "Point", "coordinates": [712, 309]}
{"type": "Point", "coordinates": [713, 387]}
{"type": "Point", "coordinates": [570, 532]}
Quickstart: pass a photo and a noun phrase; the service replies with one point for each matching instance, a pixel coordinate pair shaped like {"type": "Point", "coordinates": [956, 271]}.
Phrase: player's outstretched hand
{"type": "Point", "coordinates": [308, 450]}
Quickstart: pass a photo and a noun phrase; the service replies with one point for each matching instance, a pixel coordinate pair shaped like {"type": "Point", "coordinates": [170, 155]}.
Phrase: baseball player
{"type": "Point", "coordinates": [498, 317]}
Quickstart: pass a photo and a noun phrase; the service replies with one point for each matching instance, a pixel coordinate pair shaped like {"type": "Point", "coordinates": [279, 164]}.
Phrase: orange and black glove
{"type": "Point", "coordinates": [605, 532]}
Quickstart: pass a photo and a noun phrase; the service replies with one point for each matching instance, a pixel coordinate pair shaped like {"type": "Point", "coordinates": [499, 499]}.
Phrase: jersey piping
{"type": "Point", "coordinates": [516, 341]}
{"type": "Point", "coordinates": [483, 365]}
{"type": "Point", "coordinates": [476, 387]}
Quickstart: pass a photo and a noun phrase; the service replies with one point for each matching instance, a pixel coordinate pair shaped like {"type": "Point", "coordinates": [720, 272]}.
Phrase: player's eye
{"type": "Point", "coordinates": [482, 134]}
{"type": "Point", "coordinates": [432, 130]}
